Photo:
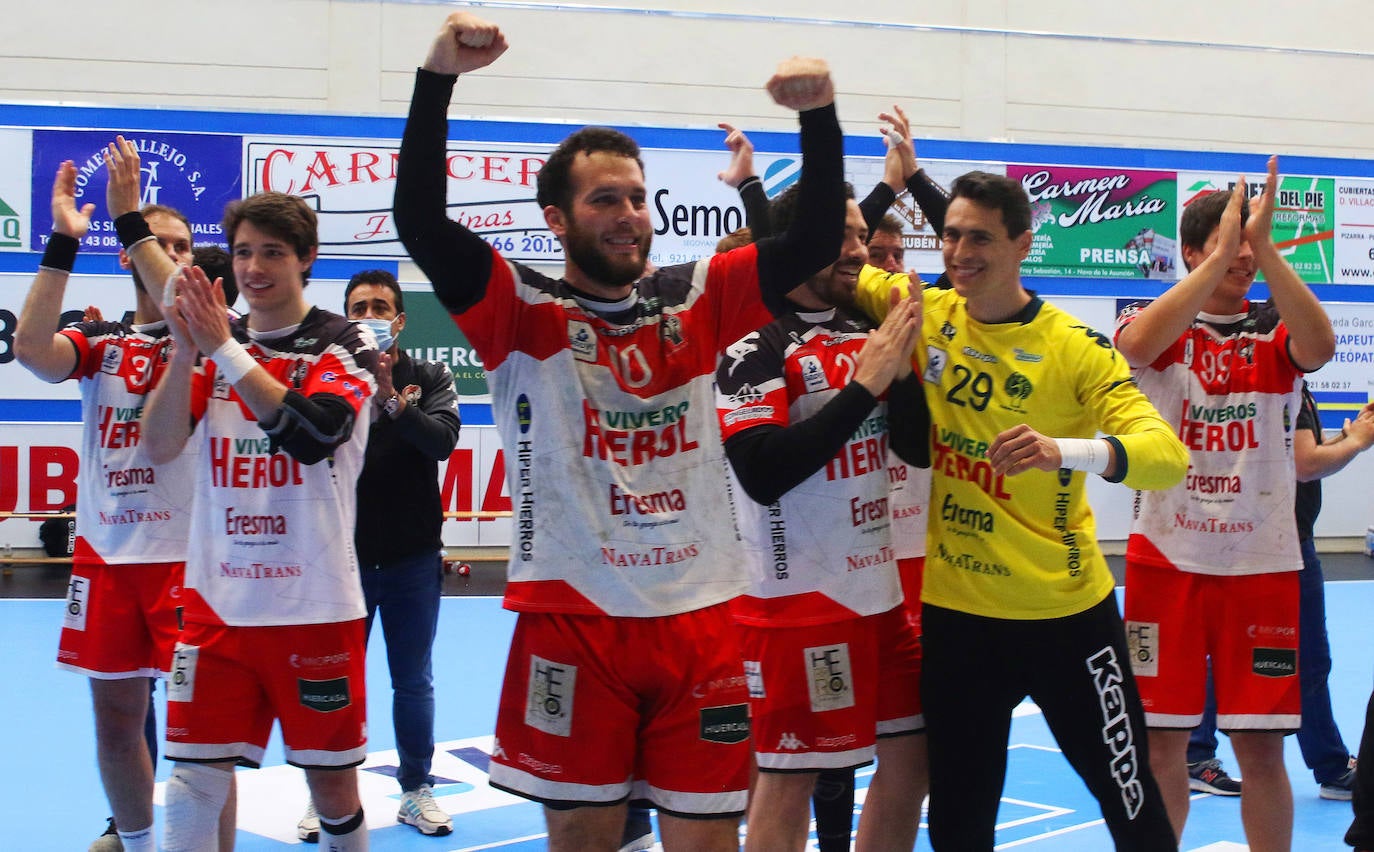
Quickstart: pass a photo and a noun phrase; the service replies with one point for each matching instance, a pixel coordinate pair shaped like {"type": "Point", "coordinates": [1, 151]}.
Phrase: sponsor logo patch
{"type": "Point", "coordinates": [74, 614]}
{"type": "Point", "coordinates": [181, 684]}
{"type": "Point", "coordinates": [830, 677]}
{"type": "Point", "coordinates": [936, 359]}
{"type": "Point", "coordinates": [549, 699]}
{"type": "Point", "coordinates": [1274, 662]}
{"type": "Point", "coordinates": [1142, 638]}
{"type": "Point", "coordinates": [728, 724]}
{"type": "Point", "coordinates": [582, 340]}
{"type": "Point", "coordinates": [753, 678]}
{"type": "Point", "coordinates": [324, 695]}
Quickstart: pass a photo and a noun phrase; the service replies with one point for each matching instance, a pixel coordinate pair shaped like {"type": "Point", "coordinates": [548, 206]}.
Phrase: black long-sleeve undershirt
{"type": "Point", "coordinates": [769, 461]}
{"type": "Point", "coordinates": [458, 262]}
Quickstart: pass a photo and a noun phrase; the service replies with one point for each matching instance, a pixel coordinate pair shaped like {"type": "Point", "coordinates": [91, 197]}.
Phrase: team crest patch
{"type": "Point", "coordinates": [812, 373]}
{"type": "Point", "coordinates": [549, 700]}
{"type": "Point", "coordinates": [582, 340]}
{"type": "Point", "coordinates": [111, 360]}
{"type": "Point", "coordinates": [830, 677]}
{"type": "Point", "coordinates": [936, 360]}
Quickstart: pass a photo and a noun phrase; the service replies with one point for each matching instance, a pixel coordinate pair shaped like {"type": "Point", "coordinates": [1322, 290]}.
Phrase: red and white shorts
{"type": "Point", "coordinates": [120, 621]}
{"type": "Point", "coordinates": [911, 571]}
{"type": "Point", "coordinates": [228, 684]}
{"type": "Point", "coordinates": [597, 710]}
{"type": "Point", "coordinates": [1247, 625]}
{"type": "Point", "coordinates": [823, 694]}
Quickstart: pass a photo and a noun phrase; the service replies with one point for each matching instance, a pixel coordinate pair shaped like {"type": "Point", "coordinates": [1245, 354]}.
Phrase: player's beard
{"type": "Point", "coordinates": [584, 249]}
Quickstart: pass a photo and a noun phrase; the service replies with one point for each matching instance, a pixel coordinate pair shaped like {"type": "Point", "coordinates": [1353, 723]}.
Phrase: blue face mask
{"type": "Point", "coordinates": [381, 328]}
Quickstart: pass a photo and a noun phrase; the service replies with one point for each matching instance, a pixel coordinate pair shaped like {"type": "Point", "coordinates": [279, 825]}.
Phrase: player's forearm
{"type": "Point", "coordinates": [47, 355]}
{"type": "Point", "coordinates": [1161, 322]}
{"type": "Point", "coordinates": [1311, 340]}
{"type": "Point", "coordinates": [1150, 459]}
{"type": "Point", "coordinates": [456, 261]}
{"type": "Point", "coordinates": [166, 421]}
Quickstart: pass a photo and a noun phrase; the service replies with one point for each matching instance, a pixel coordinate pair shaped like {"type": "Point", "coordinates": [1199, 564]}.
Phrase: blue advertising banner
{"type": "Point", "coordinates": [195, 173]}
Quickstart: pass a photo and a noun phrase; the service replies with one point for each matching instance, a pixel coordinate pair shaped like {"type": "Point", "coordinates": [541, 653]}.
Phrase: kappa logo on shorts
{"type": "Point", "coordinates": [549, 700]}
{"type": "Point", "coordinates": [789, 742]}
{"type": "Point", "coordinates": [74, 614]}
{"type": "Point", "coordinates": [728, 725]}
{"type": "Point", "coordinates": [1142, 638]}
{"type": "Point", "coordinates": [753, 678]}
{"type": "Point", "coordinates": [1274, 662]}
{"type": "Point", "coordinates": [181, 684]}
{"type": "Point", "coordinates": [325, 696]}
{"type": "Point", "coordinates": [831, 679]}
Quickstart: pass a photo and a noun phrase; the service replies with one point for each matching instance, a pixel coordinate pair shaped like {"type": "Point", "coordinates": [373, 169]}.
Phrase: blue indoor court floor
{"type": "Point", "coordinates": [50, 794]}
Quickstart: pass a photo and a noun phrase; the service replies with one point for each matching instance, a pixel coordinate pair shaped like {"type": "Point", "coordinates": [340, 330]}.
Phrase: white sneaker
{"type": "Point", "coordinates": [419, 809]}
{"type": "Point", "coordinates": [107, 842]}
{"type": "Point", "coordinates": [308, 829]}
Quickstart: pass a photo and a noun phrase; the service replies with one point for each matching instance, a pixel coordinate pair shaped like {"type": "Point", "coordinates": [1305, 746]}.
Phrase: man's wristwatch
{"type": "Point", "coordinates": [392, 405]}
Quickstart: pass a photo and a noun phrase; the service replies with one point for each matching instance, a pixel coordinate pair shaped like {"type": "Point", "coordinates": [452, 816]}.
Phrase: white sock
{"type": "Point", "coordinates": [195, 796]}
{"type": "Point", "coordinates": [354, 838]}
{"type": "Point", "coordinates": [138, 841]}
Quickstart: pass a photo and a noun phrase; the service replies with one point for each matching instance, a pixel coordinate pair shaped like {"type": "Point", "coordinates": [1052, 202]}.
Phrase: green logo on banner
{"type": "Point", "coordinates": [9, 226]}
{"type": "Point", "coordinates": [432, 335]}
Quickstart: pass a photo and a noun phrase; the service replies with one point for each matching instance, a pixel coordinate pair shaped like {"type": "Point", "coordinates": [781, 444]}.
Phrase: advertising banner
{"type": "Point", "coordinates": [195, 173]}
{"type": "Point", "coordinates": [16, 169]}
{"type": "Point", "coordinates": [1100, 222]}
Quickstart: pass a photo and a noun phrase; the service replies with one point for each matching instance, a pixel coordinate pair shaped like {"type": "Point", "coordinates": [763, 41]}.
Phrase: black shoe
{"type": "Point", "coordinates": [1207, 776]}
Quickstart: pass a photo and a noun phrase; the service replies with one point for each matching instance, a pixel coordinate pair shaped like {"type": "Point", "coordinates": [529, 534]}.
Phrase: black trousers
{"type": "Point", "coordinates": [976, 670]}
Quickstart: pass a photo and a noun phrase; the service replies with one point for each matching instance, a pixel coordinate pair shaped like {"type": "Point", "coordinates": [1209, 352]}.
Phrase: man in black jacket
{"type": "Point", "coordinates": [397, 536]}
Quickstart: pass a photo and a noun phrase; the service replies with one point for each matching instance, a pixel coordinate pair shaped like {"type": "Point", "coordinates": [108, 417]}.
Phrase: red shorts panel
{"type": "Point", "coordinates": [228, 684]}
{"type": "Point", "coordinates": [596, 709]}
{"type": "Point", "coordinates": [120, 621]}
{"type": "Point", "coordinates": [911, 571]}
{"type": "Point", "coordinates": [1247, 625]}
{"type": "Point", "coordinates": [822, 694]}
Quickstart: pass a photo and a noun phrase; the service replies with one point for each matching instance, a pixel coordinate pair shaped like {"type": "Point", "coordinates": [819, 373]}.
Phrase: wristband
{"type": "Point", "coordinates": [233, 360]}
{"type": "Point", "coordinates": [1085, 454]}
{"type": "Point", "coordinates": [60, 253]}
{"type": "Point", "coordinates": [132, 229]}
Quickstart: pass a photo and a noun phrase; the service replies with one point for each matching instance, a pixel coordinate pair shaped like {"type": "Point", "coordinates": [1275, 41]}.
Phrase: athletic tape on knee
{"type": "Point", "coordinates": [195, 795]}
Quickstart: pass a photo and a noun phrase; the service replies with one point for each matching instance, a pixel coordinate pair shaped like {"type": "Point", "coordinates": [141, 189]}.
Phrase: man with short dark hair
{"type": "Point", "coordinates": [273, 605]}
{"type": "Point", "coordinates": [129, 558]}
{"type": "Point", "coordinates": [1217, 554]}
{"type": "Point", "coordinates": [833, 660]}
{"type": "Point", "coordinates": [1018, 390]}
{"type": "Point", "coordinates": [624, 678]}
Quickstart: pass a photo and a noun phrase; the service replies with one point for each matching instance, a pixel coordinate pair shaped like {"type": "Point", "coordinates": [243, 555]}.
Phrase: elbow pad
{"type": "Point", "coordinates": [309, 428]}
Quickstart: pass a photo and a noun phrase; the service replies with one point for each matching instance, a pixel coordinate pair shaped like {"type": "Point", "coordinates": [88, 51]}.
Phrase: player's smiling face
{"type": "Point", "coordinates": [981, 258]}
{"type": "Point", "coordinates": [271, 277]}
{"type": "Point", "coordinates": [608, 231]}
{"type": "Point", "coordinates": [838, 282]}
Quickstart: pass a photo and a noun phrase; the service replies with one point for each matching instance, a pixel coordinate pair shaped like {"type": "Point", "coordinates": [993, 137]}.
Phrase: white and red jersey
{"type": "Point", "coordinates": [273, 536]}
{"type": "Point", "coordinates": [128, 510]}
{"type": "Point", "coordinates": [612, 449]}
{"type": "Point", "coordinates": [1231, 391]}
{"type": "Point", "coordinates": [823, 552]}
{"type": "Point", "coordinates": [910, 495]}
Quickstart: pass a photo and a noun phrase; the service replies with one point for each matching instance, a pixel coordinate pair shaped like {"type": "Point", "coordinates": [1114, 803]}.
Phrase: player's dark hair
{"type": "Point", "coordinates": [554, 181]}
{"type": "Point", "coordinates": [375, 276]}
{"type": "Point", "coordinates": [997, 192]}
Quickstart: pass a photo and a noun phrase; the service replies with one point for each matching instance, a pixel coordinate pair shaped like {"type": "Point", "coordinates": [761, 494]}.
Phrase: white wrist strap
{"type": "Point", "coordinates": [233, 360]}
{"type": "Point", "coordinates": [1086, 454]}
{"type": "Point", "coordinates": [169, 290]}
